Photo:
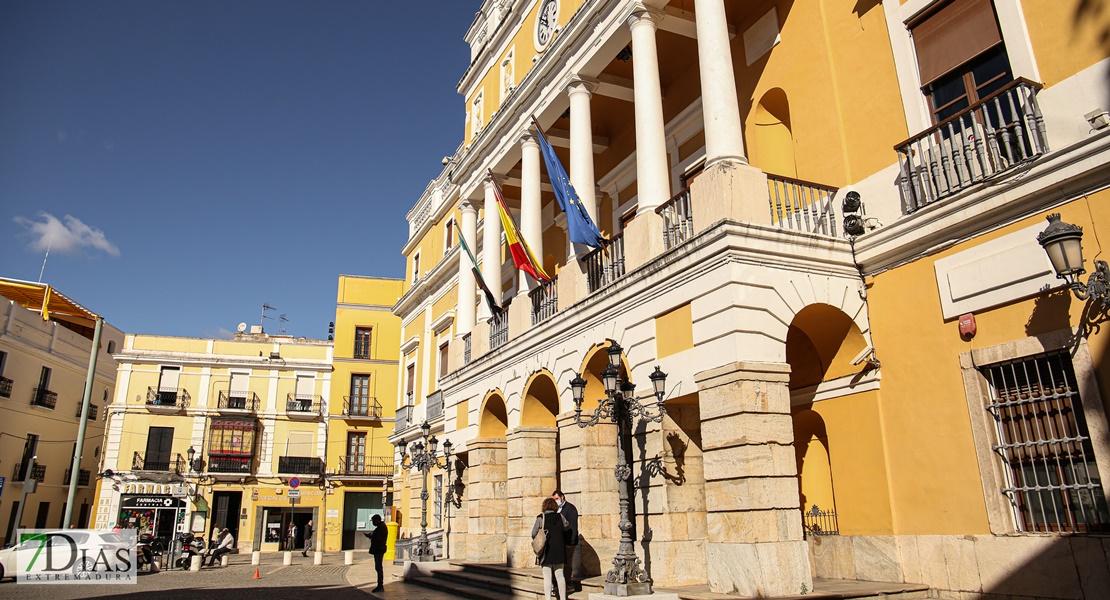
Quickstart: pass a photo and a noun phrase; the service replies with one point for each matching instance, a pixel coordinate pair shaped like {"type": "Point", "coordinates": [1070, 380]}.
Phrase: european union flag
{"type": "Point", "coordinates": [581, 228]}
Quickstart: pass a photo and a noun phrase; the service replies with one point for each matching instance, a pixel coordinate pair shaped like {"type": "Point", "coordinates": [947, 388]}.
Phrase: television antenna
{"type": "Point", "coordinates": [265, 307]}
{"type": "Point", "coordinates": [282, 321]}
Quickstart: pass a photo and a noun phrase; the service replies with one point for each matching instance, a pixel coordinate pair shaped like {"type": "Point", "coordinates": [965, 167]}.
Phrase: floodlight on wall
{"type": "Point", "coordinates": [852, 208]}
{"type": "Point", "coordinates": [1063, 242]}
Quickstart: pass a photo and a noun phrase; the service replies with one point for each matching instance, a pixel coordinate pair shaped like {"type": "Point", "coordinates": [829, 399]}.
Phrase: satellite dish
{"type": "Point", "coordinates": [242, 327]}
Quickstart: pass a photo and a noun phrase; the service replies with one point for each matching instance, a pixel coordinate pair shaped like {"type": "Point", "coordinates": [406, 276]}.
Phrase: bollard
{"type": "Point", "coordinates": [287, 558]}
{"type": "Point", "coordinates": [256, 557]}
{"type": "Point", "coordinates": [224, 560]}
{"type": "Point", "coordinates": [348, 557]}
{"type": "Point", "coordinates": [318, 558]}
{"type": "Point", "coordinates": [195, 562]}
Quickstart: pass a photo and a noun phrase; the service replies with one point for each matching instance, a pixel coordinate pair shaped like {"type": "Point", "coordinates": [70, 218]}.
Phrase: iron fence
{"type": "Point", "coordinates": [167, 397]}
{"type": "Point", "coordinates": [820, 522]}
{"type": "Point", "coordinates": [362, 406]}
{"type": "Point", "coordinates": [300, 465]}
{"type": "Point", "coordinates": [44, 398]}
{"type": "Point", "coordinates": [365, 466]}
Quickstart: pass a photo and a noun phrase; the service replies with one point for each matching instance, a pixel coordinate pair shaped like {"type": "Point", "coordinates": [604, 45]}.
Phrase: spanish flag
{"type": "Point", "coordinates": [518, 247]}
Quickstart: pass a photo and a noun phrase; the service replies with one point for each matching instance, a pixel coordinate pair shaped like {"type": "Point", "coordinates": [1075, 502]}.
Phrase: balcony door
{"type": "Point", "coordinates": [306, 387]}
{"type": "Point", "coordinates": [167, 385]}
{"type": "Point", "coordinates": [360, 395]}
{"type": "Point", "coordinates": [356, 452]}
{"type": "Point", "coordinates": [237, 390]}
{"type": "Point", "coordinates": [159, 443]}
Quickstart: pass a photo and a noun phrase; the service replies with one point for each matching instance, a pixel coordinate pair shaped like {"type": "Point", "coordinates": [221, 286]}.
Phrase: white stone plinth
{"type": "Point", "coordinates": [224, 560]}
{"type": "Point", "coordinates": [348, 557]}
{"type": "Point", "coordinates": [287, 558]}
{"type": "Point", "coordinates": [256, 557]}
{"type": "Point", "coordinates": [194, 562]}
{"type": "Point", "coordinates": [317, 558]}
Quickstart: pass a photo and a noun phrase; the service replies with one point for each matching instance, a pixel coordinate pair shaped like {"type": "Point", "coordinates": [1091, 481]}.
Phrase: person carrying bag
{"type": "Point", "coordinates": [549, 544]}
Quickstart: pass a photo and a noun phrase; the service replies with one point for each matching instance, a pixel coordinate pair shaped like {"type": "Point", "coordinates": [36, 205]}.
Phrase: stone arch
{"type": "Point", "coordinates": [811, 449]}
{"type": "Point", "coordinates": [772, 141]}
{"type": "Point", "coordinates": [820, 345]}
{"type": "Point", "coordinates": [494, 419]}
{"type": "Point", "coordinates": [540, 403]}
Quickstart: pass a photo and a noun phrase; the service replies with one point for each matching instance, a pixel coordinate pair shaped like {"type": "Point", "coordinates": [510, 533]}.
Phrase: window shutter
{"type": "Point", "coordinates": [953, 35]}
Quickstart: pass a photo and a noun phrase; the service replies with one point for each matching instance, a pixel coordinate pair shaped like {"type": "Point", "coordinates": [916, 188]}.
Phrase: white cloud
{"type": "Point", "coordinates": [68, 236]}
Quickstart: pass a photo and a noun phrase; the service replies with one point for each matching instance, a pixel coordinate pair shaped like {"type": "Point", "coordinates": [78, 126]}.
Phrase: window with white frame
{"type": "Point", "coordinates": [1051, 479]}
{"type": "Point", "coordinates": [476, 109]}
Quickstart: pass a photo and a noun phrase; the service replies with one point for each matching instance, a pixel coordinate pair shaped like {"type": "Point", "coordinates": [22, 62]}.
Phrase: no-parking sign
{"type": "Point", "coordinates": [294, 482]}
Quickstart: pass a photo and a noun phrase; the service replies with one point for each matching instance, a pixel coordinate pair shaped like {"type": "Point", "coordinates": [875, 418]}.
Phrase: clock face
{"type": "Point", "coordinates": [546, 22]}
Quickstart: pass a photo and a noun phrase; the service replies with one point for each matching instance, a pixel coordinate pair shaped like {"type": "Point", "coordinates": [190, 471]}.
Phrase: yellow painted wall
{"type": "Point", "coordinates": [1067, 36]}
{"type": "Point", "coordinates": [927, 424]}
{"type": "Point", "coordinates": [674, 331]}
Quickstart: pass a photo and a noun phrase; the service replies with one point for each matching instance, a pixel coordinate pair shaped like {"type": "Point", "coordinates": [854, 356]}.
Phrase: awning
{"type": "Point", "coordinates": [50, 303]}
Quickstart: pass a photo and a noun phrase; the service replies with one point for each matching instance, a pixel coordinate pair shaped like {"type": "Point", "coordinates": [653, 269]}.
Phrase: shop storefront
{"type": "Point", "coordinates": [279, 524]}
{"type": "Point", "coordinates": [162, 516]}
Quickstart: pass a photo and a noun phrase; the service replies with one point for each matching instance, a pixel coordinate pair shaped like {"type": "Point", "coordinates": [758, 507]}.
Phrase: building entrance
{"type": "Point", "coordinates": [160, 516]}
{"type": "Point", "coordinates": [225, 511]}
{"type": "Point", "coordinates": [277, 527]}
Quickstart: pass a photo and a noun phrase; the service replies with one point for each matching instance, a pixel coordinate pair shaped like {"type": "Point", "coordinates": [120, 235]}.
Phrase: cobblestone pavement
{"type": "Point", "coordinates": [300, 581]}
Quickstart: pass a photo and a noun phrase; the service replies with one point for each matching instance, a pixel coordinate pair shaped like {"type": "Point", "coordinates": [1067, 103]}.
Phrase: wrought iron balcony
{"type": "Point", "coordinates": [545, 300]}
{"type": "Point", "coordinates": [303, 405]}
{"type": "Point", "coordinates": [365, 466]}
{"type": "Point", "coordinates": [361, 407]}
{"type": "Point", "coordinates": [300, 465]}
{"type": "Point", "coordinates": [93, 411]}
{"type": "Point", "coordinates": [990, 137]}
{"type": "Point", "coordinates": [169, 399]}
{"type": "Point", "coordinates": [403, 418]}
{"type": "Point", "coordinates": [678, 219]}
{"type": "Point", "coordinates": [606, 264]}
{"type": "Point", "coordinates": [435, 405]}
{"type": "Point", "coordinates": [227, 463]}
{"type": "Point", "coordinates": [160, 463]}
{"type": "Point", "coordinates": [82, 477]}
{"type": "Point", "coordinates": [44, 398]}
{"type": "Point", "coordinates": [38, 473]}
{"type": "Point", "coordinates": [237, 401]}
{"type": "Point", "coordinates": [5, 387]}
{"type": "Point", "coordinates": [801, 205]}
{"type": "Point", "coordinates": [499, 329]}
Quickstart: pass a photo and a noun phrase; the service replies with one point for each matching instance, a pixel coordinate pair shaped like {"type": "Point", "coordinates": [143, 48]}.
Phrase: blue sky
{"type": "Point", "coordinates": [189, 161]}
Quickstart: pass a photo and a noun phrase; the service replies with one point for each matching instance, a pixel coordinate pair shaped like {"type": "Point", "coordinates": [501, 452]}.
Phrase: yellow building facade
{"type": "Point", "coordinates": [43, 368]}
{"type": "Point", "coordinates": [207, 433]}
{"type": "Point", "coordinates": [821, 224]}
{"type": "Point", "coordinates": [360, 416]}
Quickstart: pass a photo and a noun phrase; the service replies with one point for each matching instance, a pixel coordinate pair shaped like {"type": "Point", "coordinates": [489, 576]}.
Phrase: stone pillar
{"type": "Point", "coordinates": [532, 471]}
{"type": "Point", "coordinates": [487, 509]}
{"type": "Point", "coordinates": [467, 284]}
{"type": "Point", "coordinates": [587, 457]}
{"type": "Point", "coordinates": [582, 150]}
{"type": "Point", "coordinates": [754, 530]}
{"type": "Point", "coordinates": [653, 186]}
{"type": "Point", "coordinates": [491, 247]}
{"type": "Point", "coordinates": [724, 137]}
{"type": "Point", "coordinates": [531, 226]}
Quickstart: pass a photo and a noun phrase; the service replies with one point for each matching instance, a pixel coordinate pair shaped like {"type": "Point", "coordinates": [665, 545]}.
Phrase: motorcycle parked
{"type": "Point", "coordinates": [191, 546]}
{"type": "Point", "coordinates": [147, 553]}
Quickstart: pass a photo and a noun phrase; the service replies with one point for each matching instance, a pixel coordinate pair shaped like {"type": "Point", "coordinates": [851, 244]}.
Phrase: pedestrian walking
{"type": "Point", "coordinates": [378, 542]}
{"type": "Point", "coordinates": [574, 554]}
{"type": "Point", "coordinates": [307, 538]}
{"type": "Point", "coordinates": [291, 537]}
{"type": "Point", "coordinates": [554, 555]}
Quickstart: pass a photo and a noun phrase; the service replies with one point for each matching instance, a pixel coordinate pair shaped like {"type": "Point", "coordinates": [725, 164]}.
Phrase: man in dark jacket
{"type": "Point", "coordinates": [378, 542]}
{"type": "Point", "coordinates": [307, 538]}
{"type": "Point", "coordinates": [570, 513]}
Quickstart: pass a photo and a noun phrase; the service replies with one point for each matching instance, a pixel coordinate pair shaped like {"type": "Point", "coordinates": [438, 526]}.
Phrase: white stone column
{"type": "Point", "coordinates": [467, 284]}
{"type": "Point", "coordinates": [582, 150]}
{"type": "Point", "coordinates": [530, 208]}
{"type": "Point", "coordinates": [491, 248]}
{"type": "Point", "coordinates": [724, 137]}
{"type": "Point", "coordinates": [653, 186]}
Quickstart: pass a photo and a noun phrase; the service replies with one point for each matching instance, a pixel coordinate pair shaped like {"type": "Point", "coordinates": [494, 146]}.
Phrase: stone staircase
{"type": "Point", "coordinates": [491, 581]}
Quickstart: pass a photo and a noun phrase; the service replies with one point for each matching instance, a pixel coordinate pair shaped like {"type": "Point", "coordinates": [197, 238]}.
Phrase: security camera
{"type": "Point", "coordinates": [862, 356]}
{"type": "Point", "coordinates": [446, 160]}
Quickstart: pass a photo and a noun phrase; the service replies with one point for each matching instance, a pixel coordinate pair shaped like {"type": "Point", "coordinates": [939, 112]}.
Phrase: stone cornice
{"type": "Point", "coordinates": [436, 280]}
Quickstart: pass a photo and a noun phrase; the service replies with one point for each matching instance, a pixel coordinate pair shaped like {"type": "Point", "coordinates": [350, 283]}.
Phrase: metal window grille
{"type": "Point", "coordinates": [439, 501]}
{"type": "Point", "coordinates": [1052, 481]}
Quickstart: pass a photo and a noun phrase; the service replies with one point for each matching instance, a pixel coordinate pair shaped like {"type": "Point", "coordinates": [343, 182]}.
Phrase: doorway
{"type": "Point", "coordinates": [273, 530]}
{"type": "Point", "coordinates": [225, 511]}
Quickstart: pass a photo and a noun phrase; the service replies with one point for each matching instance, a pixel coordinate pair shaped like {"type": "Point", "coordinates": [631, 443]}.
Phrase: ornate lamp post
{"type": "Point", "coordinates": [1062, 241]}
{"type": "Point", "coordinates": [627, 577]}
{"type": "Point", "coordinates": [422, 457]}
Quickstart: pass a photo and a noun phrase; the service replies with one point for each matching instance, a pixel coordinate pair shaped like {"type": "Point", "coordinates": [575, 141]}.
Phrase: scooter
{"type": "Point", "coordinates": [191, 546]}
{"type": "Point", "coordinates": [146, 553]}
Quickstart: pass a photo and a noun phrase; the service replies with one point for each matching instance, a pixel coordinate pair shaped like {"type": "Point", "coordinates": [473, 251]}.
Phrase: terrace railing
{"type": "Point", "coordinates": [499, 329]}
{"type": "Point", "coordinates": [44, 398]}
{"type": "Point", "coordinates": [606, 264]}
{"type": "Point", "coordinates": [366, 407]}
{"type": "Point", "coordinates": [365, 466]}
{"type": "Point", "coordinates": [801, 205]}
{"type": "Point", "coordinates": [678, 219]}
{"type": "Point", "coordinates": [545, 300]}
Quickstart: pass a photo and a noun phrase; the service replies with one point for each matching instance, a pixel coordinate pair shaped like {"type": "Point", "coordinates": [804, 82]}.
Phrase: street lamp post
{"type": "Point", "coordinates": [422, 457]}
{"type": "Point", "coordinates": [627, 577]}
{"type": "Point", "coordinates": [1062, 241]}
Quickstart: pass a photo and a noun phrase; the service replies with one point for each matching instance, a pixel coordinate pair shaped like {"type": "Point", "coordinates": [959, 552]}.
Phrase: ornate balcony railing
{"type": "Point", "coordinates": [466, 349]}
{"type": "Point", "coordinates": [44, 398]}
{"type": "Point", "coordinates": [244, 401]}
{"type": "Point", "coordinates": [82, 477]}
{"type": "Point", "coordinates": [678, 219]}
{"type": "Point", "coordinates": [801, 205]}
{"type": "Point", "coordinates": [227, 463]}
{"type": "Point", "coordinates": [403, 418]}
{"type": "Point", "coordinates": [545, 300]}
{"type": "Point", "coordinates": [365, 466]}
{"type": "Point", "coordinates": [5, 387]}
{"type": "Point", "coordinates": [159, 463]}
{"type": "Point", "coordinates": [606, 264]}
{"type": "Point", "coordinates": [303, 404]}
{"type": "Point", "coordinates": [435, 405]}
{"type": "Point", "coordinates": [499, 329]}
{"type": "Point", "coordinates": [38, 473]}
{"type": "Point", "coordinates": [167, 398]}
{"type": "Point", "coordinates": [94, 410]}
{"type": "Point", "coordinates": [364, 407]}
{"type": "Point", "coordinates": [819, 522]}
{"type": "Point", "coordinates": [995, 134]}
{"type": "Point", "coordinates": [300, 465]}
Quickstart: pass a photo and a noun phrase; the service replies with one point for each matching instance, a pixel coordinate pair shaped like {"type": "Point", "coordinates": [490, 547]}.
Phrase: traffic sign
{"type": "Point", "coordinates": [294, 494]}
{"type": "Point", "coordinates": [295, 482]}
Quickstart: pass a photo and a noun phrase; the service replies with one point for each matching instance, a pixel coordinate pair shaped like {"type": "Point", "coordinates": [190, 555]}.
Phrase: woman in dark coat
{"type": "Point", "coordinates": [555, 550]}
